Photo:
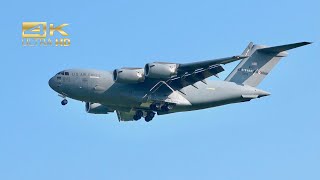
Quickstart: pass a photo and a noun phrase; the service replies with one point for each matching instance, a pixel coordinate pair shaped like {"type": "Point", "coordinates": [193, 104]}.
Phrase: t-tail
{"type": "Point", "coordinates": [261, 59]}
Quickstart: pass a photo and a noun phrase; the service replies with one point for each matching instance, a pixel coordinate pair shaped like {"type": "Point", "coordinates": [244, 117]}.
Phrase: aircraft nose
{"type": "Point", "coordinates": [52, 83]}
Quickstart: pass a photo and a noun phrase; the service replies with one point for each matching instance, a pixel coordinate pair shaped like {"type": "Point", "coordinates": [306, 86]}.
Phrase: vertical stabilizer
{"type": "Point", "coordinates": [252, 70]}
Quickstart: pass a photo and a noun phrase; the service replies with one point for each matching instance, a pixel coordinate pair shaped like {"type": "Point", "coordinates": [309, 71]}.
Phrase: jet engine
{"type": "Point", "coordinates": [160, 70]}
{"type": "Point", "coordinates": [96, 108]}
{"type": "Point", "coordinates": [128, 75]}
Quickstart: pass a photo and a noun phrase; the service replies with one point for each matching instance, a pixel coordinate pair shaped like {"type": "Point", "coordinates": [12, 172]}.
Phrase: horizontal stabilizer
{"type": "Point", "coordinates": [278, 49]}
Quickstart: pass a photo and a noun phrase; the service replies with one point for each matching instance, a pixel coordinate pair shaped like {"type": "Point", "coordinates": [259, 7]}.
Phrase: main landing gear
{"type": "Point", "coordinates": [139, 114]}
{"type": "Point", "coordinates": [150, 116]}
{"type": "Point", "coordinates": [155, 107]}
{"type": "Point", "coordinates": [158, 107]}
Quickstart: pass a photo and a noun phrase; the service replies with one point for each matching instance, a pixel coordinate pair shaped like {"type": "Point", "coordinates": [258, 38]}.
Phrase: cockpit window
{"type": "Point", "coordinates": [63, 73]}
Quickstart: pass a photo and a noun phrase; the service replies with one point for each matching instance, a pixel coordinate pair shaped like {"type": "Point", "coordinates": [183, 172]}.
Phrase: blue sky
{"type": "Point", "coordinates": [276, 137]}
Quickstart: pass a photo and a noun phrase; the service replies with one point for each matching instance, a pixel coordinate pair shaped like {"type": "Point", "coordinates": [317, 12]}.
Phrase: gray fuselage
{"type": "Point", "coordinates": [98, 87]}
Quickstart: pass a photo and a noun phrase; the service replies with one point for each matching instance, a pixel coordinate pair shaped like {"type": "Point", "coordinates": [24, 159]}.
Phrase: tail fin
{"type": "Point", "coordinates": [252, 70]}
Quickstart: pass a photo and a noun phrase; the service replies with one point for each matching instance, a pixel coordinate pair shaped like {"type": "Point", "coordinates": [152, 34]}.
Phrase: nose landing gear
{"type": "Point", "coordinates": [64, 102]}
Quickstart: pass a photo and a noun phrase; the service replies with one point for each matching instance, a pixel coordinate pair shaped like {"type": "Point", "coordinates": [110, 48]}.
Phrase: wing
{"type": "Point", "coordinates": [204, 64]}
{"type": "Point", "coordinates": [190, 73]}
{"type": "Point", "coordinates": [187, 74]}
{"type": "Point", "coordinates": [193, 76]}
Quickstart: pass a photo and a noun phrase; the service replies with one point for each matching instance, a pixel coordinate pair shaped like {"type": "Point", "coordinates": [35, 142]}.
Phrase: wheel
{"type": "Point", "coordinates": [158, 105]}
{"type": "Point", "coordinates": [64, 102]}
{"type": "Point", "coordinates": [151, 114]}
{"type": "Point", "coordinates": [165, 108]}
{"type": "Point", "coordinates": [136, 118]}
{"type": "Point", "coordinates": [148, 118]}
{"type": "Point", "coordinates": [170, 106]}
{"type": "Point", "coordinates": [139, 113]}
{"type": "Point", "coordinates": [155, 107]}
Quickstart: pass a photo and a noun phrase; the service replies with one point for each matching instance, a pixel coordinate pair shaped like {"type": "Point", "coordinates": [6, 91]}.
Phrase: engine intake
{"type": "Point", "coordinates": [160, 70]}
{"type": "Point", "coordinates": [128, 75]}
{"type": "Point", "coordinates": [96, 108]}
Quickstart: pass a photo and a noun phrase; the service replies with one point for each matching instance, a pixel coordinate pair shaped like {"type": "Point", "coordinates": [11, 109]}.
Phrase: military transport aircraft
{"type": "Point", "coordinates": [163, 87]}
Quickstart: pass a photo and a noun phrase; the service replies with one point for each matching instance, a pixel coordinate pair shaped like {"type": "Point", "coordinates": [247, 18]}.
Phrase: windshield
{"type": "Point", "coordinates": [63, 73]}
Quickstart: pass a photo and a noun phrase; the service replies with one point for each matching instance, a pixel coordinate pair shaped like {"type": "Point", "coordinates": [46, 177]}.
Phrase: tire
{"type": "Point", "coordinates": [151, 114]}
{"type": "Point", "coordinates": [148, 118]}
{"type": "Point", "coordinates": [64, 102]}
{"type": "Point", "coordinates": [155, 107]}
{"type": "Point", "coordinates": [136, 118]}
{"type": "Point", "coordinates": [164, 108]}
{"type": "Point", "coordinates": [170, 106]}
{"type": "Point", "coordinates": [139, 113]}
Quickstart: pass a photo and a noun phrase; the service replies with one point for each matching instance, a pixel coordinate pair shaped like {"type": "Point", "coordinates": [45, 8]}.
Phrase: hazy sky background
{"type": "Point", "coordinates": [276, 137]}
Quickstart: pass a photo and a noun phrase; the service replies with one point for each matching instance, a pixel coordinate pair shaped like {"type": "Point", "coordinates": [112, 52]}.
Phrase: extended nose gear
{"type": "Point", "coordinates": [64, 101]}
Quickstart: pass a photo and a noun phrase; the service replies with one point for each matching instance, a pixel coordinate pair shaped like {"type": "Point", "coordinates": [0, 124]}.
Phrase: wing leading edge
{"type": "Point", "coordinates": [207, 63]}
{"type": "Point", "coordinates": [190, 73]}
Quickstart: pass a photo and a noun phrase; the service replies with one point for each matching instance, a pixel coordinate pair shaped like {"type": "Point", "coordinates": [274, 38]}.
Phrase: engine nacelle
{"type": "Point", "coordinates": [96, 108]}
{"type": "Point", "coordinates": [160, 70]}
{"type": "Point", "coordinates": [128, 75]}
